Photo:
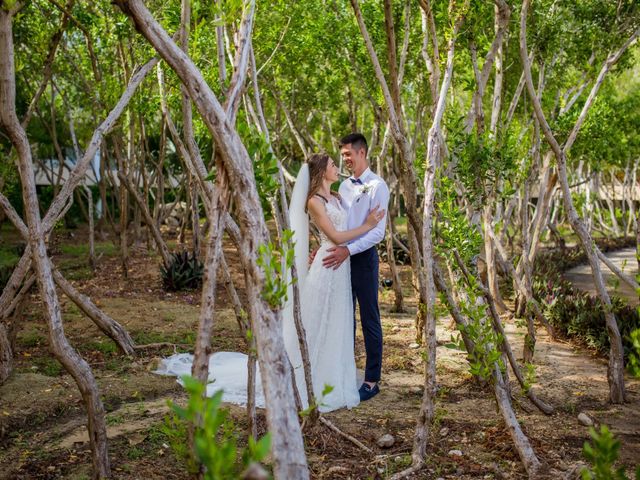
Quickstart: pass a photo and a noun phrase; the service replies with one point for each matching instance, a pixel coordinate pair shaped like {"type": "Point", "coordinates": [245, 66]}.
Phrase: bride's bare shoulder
{"type": "Point", "coordinates": [315, 205]}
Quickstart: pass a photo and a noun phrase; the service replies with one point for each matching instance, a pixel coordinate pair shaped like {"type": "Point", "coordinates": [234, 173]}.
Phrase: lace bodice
{"type": "Point", "coordinates": [338, 217]}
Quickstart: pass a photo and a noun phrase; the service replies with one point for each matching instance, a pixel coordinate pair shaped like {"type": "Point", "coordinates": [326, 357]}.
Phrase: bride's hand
{"type": "Point", "coordinates": [375, 215]}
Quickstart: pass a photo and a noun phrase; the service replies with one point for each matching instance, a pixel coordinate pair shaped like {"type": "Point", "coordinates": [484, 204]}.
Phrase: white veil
{"type": "Point", "coordinates": [299, 224]}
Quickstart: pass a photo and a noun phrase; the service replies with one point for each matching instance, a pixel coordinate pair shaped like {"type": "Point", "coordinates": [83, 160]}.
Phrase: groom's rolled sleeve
{"type": "Point", "coordinates": [380, 198]}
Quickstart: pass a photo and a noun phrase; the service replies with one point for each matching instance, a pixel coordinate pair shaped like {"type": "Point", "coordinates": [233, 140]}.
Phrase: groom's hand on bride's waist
{"type": "Point", "coordinates": [312, 256]}
{"type": "Point", "coordinates": [336, 256]}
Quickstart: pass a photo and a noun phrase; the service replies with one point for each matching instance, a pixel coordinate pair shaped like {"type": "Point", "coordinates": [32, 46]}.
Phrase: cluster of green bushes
{"type": "Point", "coordinates": [574, 313]}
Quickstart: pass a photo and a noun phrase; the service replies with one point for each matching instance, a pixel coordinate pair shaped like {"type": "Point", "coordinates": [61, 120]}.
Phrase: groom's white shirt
{"type": "Point", "coordinates": [358, 200]}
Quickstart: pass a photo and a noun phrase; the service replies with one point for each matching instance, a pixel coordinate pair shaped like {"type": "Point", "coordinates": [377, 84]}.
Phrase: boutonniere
{"type": "Point", "coordinates": [366, 188]}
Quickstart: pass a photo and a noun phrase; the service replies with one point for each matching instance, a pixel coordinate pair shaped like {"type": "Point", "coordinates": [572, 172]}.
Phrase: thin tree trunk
{"type": "Point", "coordinates": [502, 391]}
{"type": "Point", "coordinates": [490, 259]}
{"type": "Point", "coordinates": [407, 173]}
{"type": "Point", "coordinates": [73, 363]}
{"type": "Point", "coordinates": [200, 368]}
{"type": "Point", "coordinates": [527, 294]}
{"type": "Point", "coordinates": [282, 218]}
{"type": "Point", "coordinates": [10, 328]}
{"type": "Point", "coordinates": [523, 446]}
{"type": "Point", "coordinates": [398, 304]}
{"type": "Point", "coordinates": [148, 219]}
{"type": "Point", "coordinates": [6, 354]}
{"type": "Point", "coordinates": [48, 70]}
{"type": "Point", "coordinates": [297, 315]}
{"type": "Point", "coordinates": [124, 211]}
{"type": "Point", "coordinates": [530, 337]}
{"type": "Point", "coordinates": [92, 232]}
{"type": "Point", "coordinates": [243, 324]}
{"type": "Point", "coordinates": [104, 322]}
{"type": "Point", "coordinates": [435, 149]}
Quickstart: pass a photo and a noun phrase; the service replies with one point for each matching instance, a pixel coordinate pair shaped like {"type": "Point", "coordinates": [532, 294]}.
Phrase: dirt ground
{"type": "Point", "coordinates": [42, 424]}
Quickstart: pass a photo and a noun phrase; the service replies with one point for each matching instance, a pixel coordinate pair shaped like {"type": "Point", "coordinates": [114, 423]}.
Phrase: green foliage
{"type": "Point", "coordinates": [101, 345]}
{"type": "Point", "coordinates": [215, 446]}
{"type": "Point", "coordinates": [265, 167]}
{"type": "Point", "coordinates": [185, 271]}
{"type": "Point", "coordinates": [480, 162]}
{"type": "Point", "coordinates": [276, 263]}
{"type": "Point", "coordinates": [479, 329]}
{"type": "Point", "coordinates": [7, 5]}
{"type": "Point", "coordinates": [634, 354]}
{"type": "Point", "coordinates": [603, 454]}
{"type": "Point", "coordinates": [453, 228]}
{"type": "Point", "coordinates": [319, 401]}
{"type": "Point", "coordinates": [529, 375]}
{"type": "Point", "coordinates": [10, 181]}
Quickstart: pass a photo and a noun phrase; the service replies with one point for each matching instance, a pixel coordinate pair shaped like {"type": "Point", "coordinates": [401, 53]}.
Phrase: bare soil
{"type": "Point", "coordinates": [42, 432]}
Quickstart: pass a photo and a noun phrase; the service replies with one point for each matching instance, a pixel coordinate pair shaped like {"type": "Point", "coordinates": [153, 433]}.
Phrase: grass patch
{"type": "Point", "coordinates": [8, 258]}
{"type": "Point", "coordinates": [31, 339]}
{"type": "Point", "coordinates": [107, 249]}
{"type": "Point", "coordinates": [76, 269]}
{"type": "Point", "coordinates": [117, 364]}
{"type": "Point", "coordinates": [169, 316]}
{"type": "Point", "coordinates": [143, 337]}
{"type": "Point", "coordinates": [104, 346]}
{"type": "Point", "coordinates": [156, 435]}
{"type": "Point", "coordinates": [115, 419]}
{"type": "Point", "coordinates": [71, 308]}
{"type": "Point", "coordinates": [48, 366]}
{"type": "Point", "coordinates": [135, 453]}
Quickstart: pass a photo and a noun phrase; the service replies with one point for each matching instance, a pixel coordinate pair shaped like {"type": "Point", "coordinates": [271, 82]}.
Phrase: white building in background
{"type": "Point", "coordinates": [47, 172]}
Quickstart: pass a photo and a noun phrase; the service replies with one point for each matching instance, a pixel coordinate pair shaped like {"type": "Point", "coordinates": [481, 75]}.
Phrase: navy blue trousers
{"type": "Point", "coordinates": [364, 287]}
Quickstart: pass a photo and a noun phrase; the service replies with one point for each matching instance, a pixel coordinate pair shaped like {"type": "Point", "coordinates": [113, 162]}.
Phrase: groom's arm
{"type": "Point", "coordinates": [375, 235]}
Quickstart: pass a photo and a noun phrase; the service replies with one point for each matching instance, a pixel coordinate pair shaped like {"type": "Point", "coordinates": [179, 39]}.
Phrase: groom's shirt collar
{"type": "Point", "coordinates": [363, 177]}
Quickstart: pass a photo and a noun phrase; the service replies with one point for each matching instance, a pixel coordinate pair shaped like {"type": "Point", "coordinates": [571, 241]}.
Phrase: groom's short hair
{"type": "Point", "coordinates": [356, 140]}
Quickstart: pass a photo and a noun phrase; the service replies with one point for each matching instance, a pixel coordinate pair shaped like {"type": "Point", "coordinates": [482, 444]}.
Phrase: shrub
{"type": "Point", "coordinates": [184, 272]}
{"type": "Point", "coordinates": [602, 455]}
{"type": "Point", "coordinates": [215, 448]}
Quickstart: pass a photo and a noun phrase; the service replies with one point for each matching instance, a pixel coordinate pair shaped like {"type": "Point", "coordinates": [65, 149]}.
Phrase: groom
{"type": "Point", "coordinates": [361, 193]}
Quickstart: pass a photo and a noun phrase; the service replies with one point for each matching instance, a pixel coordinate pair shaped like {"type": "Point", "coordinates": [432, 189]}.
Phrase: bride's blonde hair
{"type": "Point", "coordinates": [317, 167]}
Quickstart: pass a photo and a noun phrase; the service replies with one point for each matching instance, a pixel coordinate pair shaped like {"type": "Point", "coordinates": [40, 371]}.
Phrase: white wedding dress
{"type": "Point", "coordinates": [327, 314]}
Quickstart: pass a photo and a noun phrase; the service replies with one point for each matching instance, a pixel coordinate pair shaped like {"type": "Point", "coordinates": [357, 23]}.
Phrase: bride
{"type": "Point", "coordinates": [325, 301]}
